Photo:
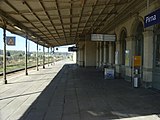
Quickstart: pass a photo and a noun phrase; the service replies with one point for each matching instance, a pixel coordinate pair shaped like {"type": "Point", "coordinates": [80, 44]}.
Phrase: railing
{"type": "Point", "coordinates": [18, 64]}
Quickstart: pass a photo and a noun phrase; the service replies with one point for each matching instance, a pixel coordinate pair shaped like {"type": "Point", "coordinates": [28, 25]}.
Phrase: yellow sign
{"type": "Point", "coordinates": [137, 61]}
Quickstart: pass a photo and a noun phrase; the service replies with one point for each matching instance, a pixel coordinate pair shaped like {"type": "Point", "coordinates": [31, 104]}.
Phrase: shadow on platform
{"type": "Point", "coordinates": [82, 94]}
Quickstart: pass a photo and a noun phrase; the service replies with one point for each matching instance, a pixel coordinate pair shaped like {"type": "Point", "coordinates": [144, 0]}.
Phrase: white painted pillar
{"type": "Point", "coordinates": [148, 57]}
{"type": "Point", "coordinates": [104, 54]}
{"type": "Point", "coordinates": [100, 54]}
{"type": "Point", "coordinates": [81, 53]}
{"type": "Point", "coordinates": [130, 45]}
{"type": "Point", "coordinates": [97, 54]}
{"type": "Point", "coordinates": [90, 53]}
{"type": "Point", "coordinates": [111, 53]}
{"type": "Point", "coordinates": [118, 59]}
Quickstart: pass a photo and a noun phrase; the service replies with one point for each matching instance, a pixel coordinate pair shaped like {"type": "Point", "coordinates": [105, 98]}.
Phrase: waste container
{"type": "Point", "coordinates": [136, 79]}
{"type": "Point", "coordinates": [135, 82]}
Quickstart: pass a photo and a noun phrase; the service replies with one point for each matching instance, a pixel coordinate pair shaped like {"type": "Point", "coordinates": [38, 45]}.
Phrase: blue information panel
{"type": "Point", "coordinates": [152, 18]}
{"type": "Point", "coordinates": [11, 40]}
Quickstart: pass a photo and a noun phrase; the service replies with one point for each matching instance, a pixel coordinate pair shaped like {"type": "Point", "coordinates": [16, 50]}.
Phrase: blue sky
{"type": "Point", "coordinates": [20, 44]}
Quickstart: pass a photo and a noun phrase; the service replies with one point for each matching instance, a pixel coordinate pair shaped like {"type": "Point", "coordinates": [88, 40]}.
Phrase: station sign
{"type": "Point", "coordinates": [152, 18]}
{"type": "Point", "coordinates": [97, 37]}
{"type": "Point", "coordinates": [109, 37]}
{"type": "Point", "coordinates": [72, 49]}
{"type": "Point", "coordinates": [102, 37]}
{"type": "Point", "coordinates": [11, 40]}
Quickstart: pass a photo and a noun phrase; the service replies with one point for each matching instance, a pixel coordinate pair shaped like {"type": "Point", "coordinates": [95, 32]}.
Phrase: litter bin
{"type": "Point", "coordinates": [136, 79]}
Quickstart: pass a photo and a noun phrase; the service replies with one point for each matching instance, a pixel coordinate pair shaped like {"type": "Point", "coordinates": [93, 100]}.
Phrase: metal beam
{"type": "Point", "coordinates": [71, 19]}
{"type": "Point", "coordinates": [17, 23]}
{"type": "Point", "coordinates": [30, 9]}
{"type": "Point", "coordinates": [51, 9]}
{"type": "Point", "coordinates": [60, 19]}
{"type": "Point", "coordinates": [80, 20]}
{"type": "Point", "coordinates": [104, 19]}
{"type": "Point", "coordinates": [133, 5]}
{"type": "Point", "coordinates": [41, 2]}
{"type": "Point", "coordinates": [101, 12]}
{"type": "Point", "coordinates": [90, 15]}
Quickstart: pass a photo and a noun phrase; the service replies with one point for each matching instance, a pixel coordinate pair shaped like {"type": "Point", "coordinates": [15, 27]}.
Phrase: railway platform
{"type": "Point", "coordinates": [65, 91]}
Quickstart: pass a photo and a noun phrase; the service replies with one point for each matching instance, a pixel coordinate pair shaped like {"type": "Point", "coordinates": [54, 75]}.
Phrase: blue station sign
{"type": "Point", "coordinates": [152, 18]}
{"type": "Point", "coordinates": [72, 49]}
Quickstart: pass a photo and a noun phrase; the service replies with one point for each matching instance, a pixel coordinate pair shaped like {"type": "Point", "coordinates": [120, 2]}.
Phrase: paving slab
{"type": "Point", "coordinates": [69, 92]}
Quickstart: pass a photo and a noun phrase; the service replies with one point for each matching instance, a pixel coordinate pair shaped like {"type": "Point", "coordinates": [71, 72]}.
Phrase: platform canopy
{"type": "Point", "coordinates": [63, 22]}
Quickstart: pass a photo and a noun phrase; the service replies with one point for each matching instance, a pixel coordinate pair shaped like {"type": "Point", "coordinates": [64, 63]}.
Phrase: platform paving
{"type": "Point", "coordinates": [75, 93]}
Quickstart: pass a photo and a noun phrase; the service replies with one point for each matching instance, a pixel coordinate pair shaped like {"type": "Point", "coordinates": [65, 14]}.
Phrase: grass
{"type": "Point", "coordinates": [12, 67]}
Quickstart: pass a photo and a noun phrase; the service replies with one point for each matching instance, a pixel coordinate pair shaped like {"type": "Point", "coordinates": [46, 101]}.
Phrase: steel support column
{"type": "Point", "coordinates": [43, 57]}
{"type": "Point", "coordinates": [4, 54]}
{"type": "Point", "coordinates": [26, 57]}
{"type": "Point", "coordinates": [104, 53]}
{"type": "Point", "coordinates": [100, 54]}
{"type": "Point", "coordinates": [37, 57]}
{"type": "Point", "coordinates": [48, 56]}
{"type": "Point", "coordinates": [51, 56]}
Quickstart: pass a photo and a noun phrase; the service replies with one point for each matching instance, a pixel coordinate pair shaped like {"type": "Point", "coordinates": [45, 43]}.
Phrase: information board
{"type": "Point", "coordinates": [11, 41]}
{"type": "Point", "coordinates": [152, 18]}
{"type": "Point", "coordinates": [97, 37]}
{"type": "Point", "coordinates": [102, 37]}
{"type": "Point", "coordinates": [137, 61]}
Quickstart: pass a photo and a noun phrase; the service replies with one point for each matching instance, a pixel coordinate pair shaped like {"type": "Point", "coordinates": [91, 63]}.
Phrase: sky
{"type": "Point", "coordinates": [20, 44]}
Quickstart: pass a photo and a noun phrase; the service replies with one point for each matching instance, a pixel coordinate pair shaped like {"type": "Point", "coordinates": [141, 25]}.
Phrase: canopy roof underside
{"type": "Point", "coordinates": [63, 22]}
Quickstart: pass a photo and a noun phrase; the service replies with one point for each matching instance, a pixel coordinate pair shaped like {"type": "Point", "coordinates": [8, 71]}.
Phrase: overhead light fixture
{"type": "Point", "coordinates": [33, 36]}
{"type": "Point", "coordinates": [17, 28]}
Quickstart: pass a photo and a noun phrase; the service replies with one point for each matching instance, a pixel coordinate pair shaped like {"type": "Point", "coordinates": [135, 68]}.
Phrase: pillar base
{"type": "Point", "coordinates": [43, 67]}
{"type": "Point", "coordinates": [147, 84]}
{"type": "Point", "coordinates": [5, 81]}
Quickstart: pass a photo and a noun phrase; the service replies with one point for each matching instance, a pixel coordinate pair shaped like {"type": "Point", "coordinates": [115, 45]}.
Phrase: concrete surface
{"type": "Point", "coordinates": [75, 93]}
